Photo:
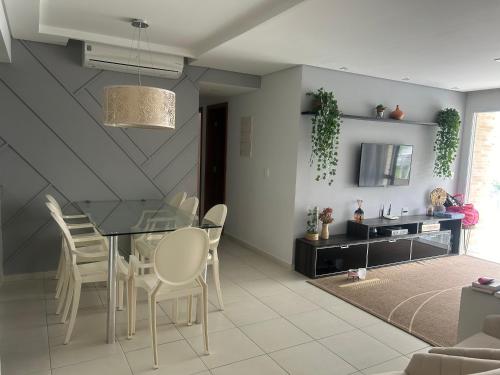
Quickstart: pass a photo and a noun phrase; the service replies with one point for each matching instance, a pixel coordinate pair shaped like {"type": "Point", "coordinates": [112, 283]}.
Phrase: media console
{"type": "Point", "coordinates": [364, 247]}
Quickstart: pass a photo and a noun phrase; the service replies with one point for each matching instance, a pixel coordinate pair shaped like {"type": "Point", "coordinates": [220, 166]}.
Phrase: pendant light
{"type": "Point", "coordinates": [129, 106]}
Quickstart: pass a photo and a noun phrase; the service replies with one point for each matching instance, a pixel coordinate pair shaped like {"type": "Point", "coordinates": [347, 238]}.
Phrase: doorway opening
{"type": "Point", "coordinates": [484, 186]}
{"type": "Point", "coordinates": [213, 156]}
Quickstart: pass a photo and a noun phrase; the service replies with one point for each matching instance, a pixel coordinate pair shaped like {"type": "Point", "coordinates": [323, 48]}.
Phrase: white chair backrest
{"type": "Point", "coordinates": [54, 205]}
{"type": "Point", "coordinates": [190, 205]}
{"type": "Point", "coordinates": [181, 256]}
{"type": "Point", "coordinates": [68, 239]}
{"type": "Point", "coordinates": [217, 215]}
{"type": "Point", "coordinates": [177, 199]}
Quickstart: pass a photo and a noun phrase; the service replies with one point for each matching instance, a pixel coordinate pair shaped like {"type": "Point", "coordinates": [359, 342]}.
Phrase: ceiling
{"type": "Point", "coordinates": [442, 43]}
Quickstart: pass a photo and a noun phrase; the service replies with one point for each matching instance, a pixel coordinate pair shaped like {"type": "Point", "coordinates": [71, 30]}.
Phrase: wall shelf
{"type": "Point", "coordinates": [388, 120]}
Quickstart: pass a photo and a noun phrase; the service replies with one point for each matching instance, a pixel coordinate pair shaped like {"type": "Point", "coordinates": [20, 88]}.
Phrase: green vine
{"type": "Point", "coordinates": [447, 141]}
{"type": "Point", "coordinates": [325, 135]}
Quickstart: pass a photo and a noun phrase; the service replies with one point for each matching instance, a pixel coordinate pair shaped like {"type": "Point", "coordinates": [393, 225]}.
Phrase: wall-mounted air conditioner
{"type": "Point", "coordinates": [102, 56]}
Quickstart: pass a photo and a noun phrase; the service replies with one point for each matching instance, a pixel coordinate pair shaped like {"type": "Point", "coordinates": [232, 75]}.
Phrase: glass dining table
{"type": "Point", "coordinates": [118, 220]}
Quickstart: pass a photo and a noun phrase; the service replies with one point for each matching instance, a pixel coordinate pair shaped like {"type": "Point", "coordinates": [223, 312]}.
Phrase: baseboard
{"type": "Point", "coordinates": [256, 250]}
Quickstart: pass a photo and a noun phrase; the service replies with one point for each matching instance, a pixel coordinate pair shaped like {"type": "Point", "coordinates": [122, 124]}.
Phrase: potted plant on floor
{"type": "Point", "coordinates": [447, 142]}
{"type": "Point", "coordinates": [325, 135]}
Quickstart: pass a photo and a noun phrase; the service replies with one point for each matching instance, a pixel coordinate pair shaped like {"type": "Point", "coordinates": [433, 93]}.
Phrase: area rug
{"type": "Point", "coordinates": [422, 298]}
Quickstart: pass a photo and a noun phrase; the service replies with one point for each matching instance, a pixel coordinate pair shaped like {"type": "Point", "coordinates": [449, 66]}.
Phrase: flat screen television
{"type": "Point", "coordinates": [385, 164]}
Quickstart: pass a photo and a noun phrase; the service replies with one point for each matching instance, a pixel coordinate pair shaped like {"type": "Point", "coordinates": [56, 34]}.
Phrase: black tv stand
{"type": "Point", "coordinates": [361, 248]}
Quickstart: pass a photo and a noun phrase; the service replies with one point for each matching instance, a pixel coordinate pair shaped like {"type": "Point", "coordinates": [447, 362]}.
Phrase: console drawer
{"type": "Point", "coordinates": [387, 252]}
{"type": "Point", "coordinates": [340, 259]}
{"type": "Point", "coordinates": [431, 245]}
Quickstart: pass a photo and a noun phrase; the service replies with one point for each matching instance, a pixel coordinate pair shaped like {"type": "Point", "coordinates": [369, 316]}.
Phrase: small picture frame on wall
{"type": "Point", "coordinates": [246, 130]}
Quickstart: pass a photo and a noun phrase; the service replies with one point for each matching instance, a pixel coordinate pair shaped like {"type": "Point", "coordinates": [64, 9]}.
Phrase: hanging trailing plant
{"type": "Point", "coordinates": [325, 135]}
{"type": "Point", "coordinates": [447, 142]}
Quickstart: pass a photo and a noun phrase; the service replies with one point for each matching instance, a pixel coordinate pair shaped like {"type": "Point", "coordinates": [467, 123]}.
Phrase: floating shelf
{"type": "Point", "coordinates": [389, 120]}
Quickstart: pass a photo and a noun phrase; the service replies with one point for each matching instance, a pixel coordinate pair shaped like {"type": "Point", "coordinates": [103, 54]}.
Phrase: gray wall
{"type": "Point", "coordinates": [358, 95]}
{"type": "Point", "coordinates": [52, 141]}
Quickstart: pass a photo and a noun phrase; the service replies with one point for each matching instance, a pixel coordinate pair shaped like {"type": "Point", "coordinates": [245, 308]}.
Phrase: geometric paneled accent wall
{"type": "Point", "coordinates": [52, 141]}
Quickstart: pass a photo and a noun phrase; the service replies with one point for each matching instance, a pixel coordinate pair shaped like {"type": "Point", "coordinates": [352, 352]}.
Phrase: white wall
{"type": "Point", "coordinates": [477, 101]}
{"type": "Point", "coordinates": [260, 207]}
{"type": "Point", "coordinates": [358, 95]}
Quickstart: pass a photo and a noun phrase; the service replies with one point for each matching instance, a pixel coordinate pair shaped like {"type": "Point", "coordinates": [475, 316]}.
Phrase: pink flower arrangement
{"type": "Point", "coordinates": [326, 215]}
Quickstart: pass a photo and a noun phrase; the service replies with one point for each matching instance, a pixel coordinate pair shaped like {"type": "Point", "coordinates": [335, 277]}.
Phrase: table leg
{"type": "Point", "coordinates": [113, 253]}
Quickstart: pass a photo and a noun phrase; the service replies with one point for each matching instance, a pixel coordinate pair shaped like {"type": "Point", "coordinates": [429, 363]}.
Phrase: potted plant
{"type": "Point", "coordinates": [447, 141]}
{"type": "Point", "coordinates": [325, 135]}
{"type": "Point", "coordinates": [312, 224]}
{"type": "Point", "coordinates": [380, 110]}
{"type": "Point", "coordinates": [326, 219]}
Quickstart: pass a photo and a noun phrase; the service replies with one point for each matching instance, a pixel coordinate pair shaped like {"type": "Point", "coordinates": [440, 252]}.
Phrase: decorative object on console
{"type": "Point", "coordinates": [397, 114]}
{"type": "Point", "coordinates": [430, 210]}
{"type": "Point", "coordinates": [359, 214]}
{"type": "Point", "coordinates": [326, 219]}
{"type": "Point", "coordinates": [438, 197]}
{"type": "Point", "coordinates": [312, 224]}
{"type": "Point", "coordinates": [447, 142]}
{"type": "Point", "coordinates": [380, 110]}
{"type": "Point", "coordinates": [388, 214]}
{"type": "Point", "coordinates": [404, 211]}
{"type": "Point", "coordinates": [325, 135]}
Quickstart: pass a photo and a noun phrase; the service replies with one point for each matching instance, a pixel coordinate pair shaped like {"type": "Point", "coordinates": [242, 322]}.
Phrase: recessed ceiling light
{"type": "Point", "coordinates": [343, 68]}
{"type": "Point", "coordinates": [405, 79]}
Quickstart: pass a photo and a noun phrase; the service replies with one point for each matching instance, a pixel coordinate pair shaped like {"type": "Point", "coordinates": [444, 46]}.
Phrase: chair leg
{"type": "Point", "coordinates": [175, 310]}
{"type": "Point", "coordinates": [64, 291]}
{"type": "Point", "coordinates": [152, 320]}
{"type": "Point", "coordinates": [205, 319]}
{"type": "Point", "coordinates": [60, 283]}
{"type": "Point", "coordinates": [215, 269]}
{"type": "Point", "coordinates": [69, 298]}
{"type": "Point", "coordinates": [190, 311]}
{"type": "Point", "coordinates": [60, 265]}
{"type": "Point", "coordinates": [129, 309]}
{"type": "Point", "coordinates": [74, 310]}
{"type": "Point", "coordinates": [120, 290]}
{"type": "Point", "coordinates": [199, 309]}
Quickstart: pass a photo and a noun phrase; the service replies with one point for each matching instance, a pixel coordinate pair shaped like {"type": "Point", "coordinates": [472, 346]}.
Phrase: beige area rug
{"type": "Point", "coordinates": [422, 298]}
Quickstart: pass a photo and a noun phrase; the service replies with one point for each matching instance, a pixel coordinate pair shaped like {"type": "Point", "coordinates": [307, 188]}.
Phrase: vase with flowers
{"type": "Point", "coordinates": [312, 224]}
{"type": "Point", "coordinates": [326, 219]}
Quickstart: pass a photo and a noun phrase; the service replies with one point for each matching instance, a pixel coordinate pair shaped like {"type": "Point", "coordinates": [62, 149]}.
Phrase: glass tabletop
{"type": "Point", "coordinates": [115, 218]}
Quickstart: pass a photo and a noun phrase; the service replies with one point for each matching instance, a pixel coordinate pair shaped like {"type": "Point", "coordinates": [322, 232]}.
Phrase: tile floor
{"type": "Point", "coordinates": [273, 323]}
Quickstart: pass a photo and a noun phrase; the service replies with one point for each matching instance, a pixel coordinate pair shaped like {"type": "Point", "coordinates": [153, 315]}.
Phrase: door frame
{"type": "Point", "coordinates": [203, 148]}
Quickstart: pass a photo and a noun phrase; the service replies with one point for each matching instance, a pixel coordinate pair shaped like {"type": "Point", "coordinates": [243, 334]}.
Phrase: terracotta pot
{"type": "Point", "coordinates": [325, 233]}
{"type": "Point", "coordinates": [397, 114]}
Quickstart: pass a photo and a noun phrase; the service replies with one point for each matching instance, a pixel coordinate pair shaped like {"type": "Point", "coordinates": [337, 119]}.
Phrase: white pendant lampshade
{"type": "Point", "coordinates": [139, 107]}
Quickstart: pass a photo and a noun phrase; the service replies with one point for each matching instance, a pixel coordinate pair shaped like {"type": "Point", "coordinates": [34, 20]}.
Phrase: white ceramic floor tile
{"type": "Point", "coordinates": [167, 332]}
{"type": "Point", "coordinates": [226, 347]}
{"type": "Point", "coordinates": [248, 311]}
{"type": "Point", "coordinates": [81, 348]}
{"type": "Point", "coordinates": [395, 338]}
{"type": "Point", "coordinates": [311, 359]}
{"type": "Point", "coordinates": [217, 321]}
{"type": "Point", "coordinates": [176, 358]}
{"type": "Point", "coordinates": [24, 353]}
{"type": "Point", "coordinates": [89, 322]}
{"type": "Point", "coordinates": [21, 289]}
{"type": "Point", "coordinates": [423, 350]}
{"type": "Point", "coordinates": [320, 323]}
{"type": "Point", "coordinates": [263, 287]}
{"type": "Point", "coordinates": [289, 303]}
{"type": "Point", "coordinates": [262, 365]}
{"type": "Point", "coordinates": [241, 273]}
{"type": "Point", "coordinates": [231, 292]}
{"type": "Point", "coordinates": [275, 334]}
{"type": "Point", "coordinates": [112, 365]}
{"type": "Point", "coordinates": [352, 315]}
{"type": "Point", "coordinates": [397, 364]}
{"type": "Point", "coordinates": [359, 349]}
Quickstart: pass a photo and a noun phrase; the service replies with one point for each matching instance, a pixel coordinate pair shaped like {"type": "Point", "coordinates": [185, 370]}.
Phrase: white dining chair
{"type": "Point", "coordinates": [190, 205]}
{"type": "Point", "coordinates": [79, 274]}
{"type": "Point", "coordinates": [177, 199]}
{"type": "Point", "coordinates": [217, 215]}
{"type": "Point", "coordinates": [178, 263]}
{"type": "Point", "coordinates": [93, 248]}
